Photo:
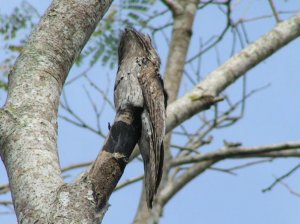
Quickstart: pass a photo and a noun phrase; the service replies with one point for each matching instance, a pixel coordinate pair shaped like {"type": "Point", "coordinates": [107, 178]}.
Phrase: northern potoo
{"type": "Point", "coordinates": [142, 87]}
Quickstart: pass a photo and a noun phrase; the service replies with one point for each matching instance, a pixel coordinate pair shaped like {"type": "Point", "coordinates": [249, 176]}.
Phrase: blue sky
{"type": "Point", "coordinates": [272, 116]}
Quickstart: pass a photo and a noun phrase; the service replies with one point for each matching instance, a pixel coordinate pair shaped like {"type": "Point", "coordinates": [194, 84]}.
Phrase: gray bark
{"type": "Point", "coordinates": [205, 94]}
{"type": "Point", "coordinates": [126, 130]}
{"type": "Point", "coordinates": [28, 127]}
{"type": "Point", "coordinates": [202, 96]}
{"type": "Point", "coordinates": [28, 121]}
{"type": "Point", "coordinates": [183, 14]}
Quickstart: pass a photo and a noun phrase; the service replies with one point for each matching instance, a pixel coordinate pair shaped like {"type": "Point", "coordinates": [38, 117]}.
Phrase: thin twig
{"type": "Point", "coordinates": [4, 188]}
{"type": "Point", "coordinates": [220, 37]}
{"type": "Point", "coordinates": [236, 152]}
{"type": "Point", "coordinates": [6, 203]}
{"type": "Point", "coordinates": [275, 13]}
{"type": "Point", "coordinates": [82, 125]}
{"type": "Point", "coordinates": [128, 182]}
{"type": "Point", "coordinates": [102, 93]}
{"type": "Point", "coordinates": [246, 165]}
{"type": "Point", "coordinates": [223, 170]}
{"type": "Point", "coordinates": [290, 189]}
{"type": "Point", "coordinates": [277, 180]}
{"type": "Point", "coordinates": [78, 76]}
{"type": "Point", "coordinates": [182, 148]}
{"type": "Point", "coordinates": [75, 166]}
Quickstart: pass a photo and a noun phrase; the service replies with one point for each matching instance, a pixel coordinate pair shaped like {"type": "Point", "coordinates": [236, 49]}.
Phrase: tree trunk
{"type": "Point", "coordinates": [29, 120]}
{"type": "Point", "coordinates": [28, 127]}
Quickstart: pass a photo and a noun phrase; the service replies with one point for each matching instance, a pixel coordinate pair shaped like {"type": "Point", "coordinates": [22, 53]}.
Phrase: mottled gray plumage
{"type": "Point", "coordinates": [137, 46]}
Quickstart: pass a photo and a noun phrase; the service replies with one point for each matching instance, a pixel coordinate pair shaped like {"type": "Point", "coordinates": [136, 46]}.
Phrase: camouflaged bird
{"type": "Point", "coordinates": [137, 46]}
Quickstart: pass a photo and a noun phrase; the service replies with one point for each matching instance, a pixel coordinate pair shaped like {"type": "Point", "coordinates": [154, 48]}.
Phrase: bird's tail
{"type": "Point", "coordinates": [153, 158]}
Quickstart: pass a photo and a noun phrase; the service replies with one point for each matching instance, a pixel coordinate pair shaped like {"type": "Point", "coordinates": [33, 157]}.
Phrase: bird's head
{"type": "Point", "coordinates": [137, 44]}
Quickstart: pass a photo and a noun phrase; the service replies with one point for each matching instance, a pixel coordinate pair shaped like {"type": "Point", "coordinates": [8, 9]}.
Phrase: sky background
{"type": "Point", "coordinates": [272, 116]}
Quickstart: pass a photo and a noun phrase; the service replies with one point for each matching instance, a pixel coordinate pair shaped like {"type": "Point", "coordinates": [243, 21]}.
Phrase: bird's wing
{"type": "Point", "coordinates": [153, 129]}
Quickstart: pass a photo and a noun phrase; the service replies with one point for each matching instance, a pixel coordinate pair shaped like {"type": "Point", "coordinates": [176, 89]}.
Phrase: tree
{"type": "Point", "coordinates": [29, 118]}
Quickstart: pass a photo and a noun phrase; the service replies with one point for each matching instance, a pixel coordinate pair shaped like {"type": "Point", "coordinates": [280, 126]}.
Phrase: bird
{"type": "Point", "coordinates": [137, 46]}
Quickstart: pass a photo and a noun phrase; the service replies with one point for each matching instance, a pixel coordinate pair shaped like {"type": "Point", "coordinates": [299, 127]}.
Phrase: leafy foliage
{"type": "Point", "coordinates": [102, 46]}
{"type": "Point", "coordinates": [12, 27]}
{"type": "Point", "coordinates": [104, 42]}
{"type": "Point", "coordinates": [21, 18]}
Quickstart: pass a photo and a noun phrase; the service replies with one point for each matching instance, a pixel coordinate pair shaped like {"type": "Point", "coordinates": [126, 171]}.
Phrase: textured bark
{"type": "Point", "coordinates": [133, 90]}
{"type": "Point", "coordinates": [241, 152]}
{"type": "Point", "coordinates": [204, 94]}
{"type": "Point", "coordinates": [100, 181]}
{"type": "Point", "coordinates": [28, 121]}
{"type": "Point", "coordinates": [171, 189]}
{"type": "Point", "coordinates": [110, 164]}
{"type": "Point", "coordinates": [124, 133]}
{"type": "Point", "coordinates": [202, 162]}
{"type": "Point", "coordinates": [183, 14]}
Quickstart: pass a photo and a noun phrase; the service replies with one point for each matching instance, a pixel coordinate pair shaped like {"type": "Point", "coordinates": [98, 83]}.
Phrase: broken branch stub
{"type": "Point", "coordinates": [139, 99]}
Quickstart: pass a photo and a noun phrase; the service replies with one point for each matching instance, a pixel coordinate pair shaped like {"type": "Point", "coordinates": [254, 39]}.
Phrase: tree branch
{"type": "Point", "coordinates": [183, 14]}
{"type": "Point", "coordinates": [28, 122]}
{"type": "Point", "coordinates": [172, 188]}
{"type": "Point", "coordinates": [174, 6]}
{"type": "Point", "coordinates": [179, 45]}
{"type": "Point", "coordinates": [128, 182]}
{"type": "Point", "coordinates": [136, 57]}
{"type": "Point", "coordinates": [237, 152]}
{"type": "Point", "coordinates": [203, 95]}
{"type": "Point", "coordinates": [275, 13]}
{"type": "Point", "coordinates": [279, 179]}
